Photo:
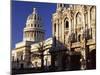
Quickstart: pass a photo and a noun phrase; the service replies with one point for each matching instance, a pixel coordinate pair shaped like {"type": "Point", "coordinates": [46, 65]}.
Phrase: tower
{"type": "Point", "coordinates": [34, 28]}
{"type": "Point", "coordinates": [60, 6]}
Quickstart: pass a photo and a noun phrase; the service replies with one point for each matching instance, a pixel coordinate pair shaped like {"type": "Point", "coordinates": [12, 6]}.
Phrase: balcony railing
{"type": "Point", "coordinates": [76, 44]}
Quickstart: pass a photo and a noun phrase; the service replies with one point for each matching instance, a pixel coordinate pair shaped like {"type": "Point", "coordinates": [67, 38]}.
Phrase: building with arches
{"type": "Point", "coordinates": [74, 32]}
{"type": "Point", "coordinates": [33, 35]}
{"type": "Point", "coordinates": [71, 47]}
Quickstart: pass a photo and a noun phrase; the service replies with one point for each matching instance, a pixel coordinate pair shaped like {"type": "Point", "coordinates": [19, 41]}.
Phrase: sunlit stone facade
{"type": "Point", "coordinates": [73, 42]}
{"type": "Point", "coordinates": [74, 32]}
{"type": "Point", "coordinates": [33, 34]}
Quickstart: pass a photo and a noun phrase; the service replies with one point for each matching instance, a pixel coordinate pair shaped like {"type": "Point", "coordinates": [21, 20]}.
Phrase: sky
{"type": "Point", "coordinates": [19, 13]}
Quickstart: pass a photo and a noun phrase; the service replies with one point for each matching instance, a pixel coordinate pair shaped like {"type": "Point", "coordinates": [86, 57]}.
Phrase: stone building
{"type": "Point", "coordinates": [71, 47]}
{"type": "Point", "coordinates": [33, 34]}
{"type": "Point", "coordinates": [74, 32]}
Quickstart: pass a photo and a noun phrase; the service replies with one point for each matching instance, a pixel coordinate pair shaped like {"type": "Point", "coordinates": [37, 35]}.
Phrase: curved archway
{"type": "Point", "coordinates": [66, 23]}
{"type": "Point", "coordinates": [79, 37]}
{"type": "Point", "coordinates": [93, 21]}
{"type": "Point", "coordinates": [92, 14]}
{"type": "Point", "coordinates": [78, 25]}
{"type": "Point", "coordinates": [78, 20]}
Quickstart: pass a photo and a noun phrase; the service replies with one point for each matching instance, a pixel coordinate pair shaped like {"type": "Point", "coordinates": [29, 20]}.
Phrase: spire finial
{"type": "Point", "coordinates": [34, 10]}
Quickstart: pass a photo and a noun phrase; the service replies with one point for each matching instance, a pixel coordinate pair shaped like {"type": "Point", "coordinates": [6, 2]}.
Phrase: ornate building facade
{"type": "Point", "coordinates": [74, 35]}
{"type": "Point", "coordinates": [73, 42]}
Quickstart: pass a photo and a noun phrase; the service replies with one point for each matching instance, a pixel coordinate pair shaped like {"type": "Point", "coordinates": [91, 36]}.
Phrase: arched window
{"type": "Point", "coordinates": [79, 37]}
{"type": "Point", "coordinates": [35, 25]}
{"type": "Point", "coordinates": [21, 57]}
{"type": "Point", "coordinates": [38, 25]}
{"type": "Point", "coordinates": [93, 21]}
{"type": "Point", "coordinates": [78, 19]}
{"type": "Point", "coordinates": [66, 24]}
{"type": "Point", "coordinates": [92, 14]}
{"type": "Point", "coordinates": [35, 16]}
{"type": "Point", "coordinates": [60, 5]}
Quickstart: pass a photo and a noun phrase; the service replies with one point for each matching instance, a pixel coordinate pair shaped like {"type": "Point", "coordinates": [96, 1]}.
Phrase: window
{"type": "Point", "coordinates": [35, 16]}
{"type": "Point", "coordinates": [34, 34]}
{"type": "Point", "coordinates": [64, 5]}
{"type": "Point", "coordinates": [66, 24]}
{"type": "Point", "coordinates": [38, 25]}
{"type": "Point", "coordinates": [35, 25]}
{"type": "Point", "coordinates": [21, 57]}
{"type": "Point", "coordinates": [79, 37]}
{"type": "Point", "coordinates": [92, 14]}
{"type": "Point", "coordinates": [17, 60]}
{"type": "Point", "coordinates": [93, 21]}
{"type": "Point", "coordinates": [60, 5]}
{"type": "Point", "coordinates": [78, 19]}
{"type": "Point", "coordinates": [54, 27]}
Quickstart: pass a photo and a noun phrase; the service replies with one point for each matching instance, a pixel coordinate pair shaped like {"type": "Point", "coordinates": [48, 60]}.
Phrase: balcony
{"type": "Point", "coordinates": [76, 44]}
{"type": "Point", "coordinates": [91, 41]}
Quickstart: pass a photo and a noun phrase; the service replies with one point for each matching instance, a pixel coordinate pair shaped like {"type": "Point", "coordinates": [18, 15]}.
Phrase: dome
{"type": "Point", "coordinates": [34, 28]}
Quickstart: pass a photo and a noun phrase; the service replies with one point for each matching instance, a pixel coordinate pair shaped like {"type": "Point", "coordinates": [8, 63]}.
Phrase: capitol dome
{"type": "Point", "coordinates": [34, 28]}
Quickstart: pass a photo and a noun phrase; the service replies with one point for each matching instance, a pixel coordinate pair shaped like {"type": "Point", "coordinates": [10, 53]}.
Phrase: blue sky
{"type": "Point", "coordinates": [19, 13]}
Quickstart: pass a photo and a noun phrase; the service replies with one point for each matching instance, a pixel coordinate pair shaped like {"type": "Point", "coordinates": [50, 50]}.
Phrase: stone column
{"type": "Point", "coordinates": [36, 35]}
{"type": "Point", "coordinates": [89, 23]}
{"type": "Point", "coordinates": [74, 23]}
{"type": "Point", "coordinates": [60, 30]}
{"type": "Point", "coordinates": [57, 30]}
{"type": "Point", "coordinates": [33, 35]}
{"type": "Point", "coordinates": [70, 24]}
{"type": "Point", "coordinates": [63, 31]}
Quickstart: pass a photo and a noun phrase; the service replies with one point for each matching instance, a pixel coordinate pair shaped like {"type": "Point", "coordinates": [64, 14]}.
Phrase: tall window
{"type": "Point", "coordinates": [21, 57]}
{"type": "Point", "coordinates": [60, 5]}
{"type": "Point", "coordinates": [92, 14]}
{"type": "Point", "coordinates": [78, 19]}
{"type": "Point", "coordinates": [35, 16]}
{"type": "Point", "coordinates": [35, 34]}
{"type": "Point", "coordinates": [93, 20]}
{"type": "Point", "coordinates": [55, 27]}
{"type": "Point", "coordinates": [66, 24]}
{"type": "Point", "coordinates": [35, 25]}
